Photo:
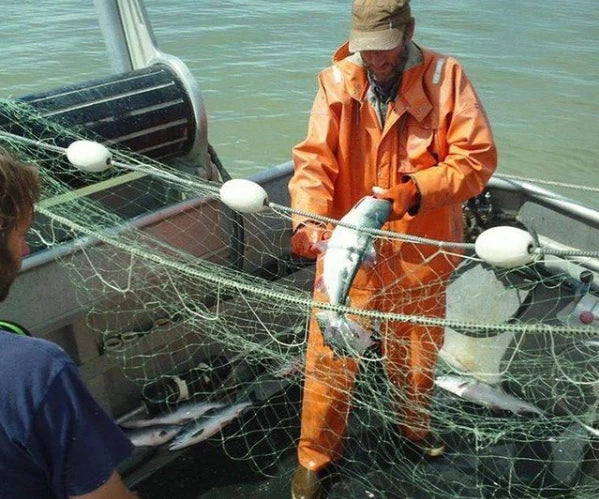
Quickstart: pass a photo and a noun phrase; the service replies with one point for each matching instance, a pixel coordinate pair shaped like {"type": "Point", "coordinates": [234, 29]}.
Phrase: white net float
{"type": "Point", "coordinates": [243, 195]}
{"type": "Point", "coordinates": [89, 156]}
{"type": "Point", "coordinates": [505, 247]}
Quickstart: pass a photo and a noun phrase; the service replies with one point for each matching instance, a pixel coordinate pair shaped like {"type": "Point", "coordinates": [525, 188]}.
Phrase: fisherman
{"type": "Point", "coordinates": [399, 121]}
{"type": "Point", "coordinates": [55, 440]}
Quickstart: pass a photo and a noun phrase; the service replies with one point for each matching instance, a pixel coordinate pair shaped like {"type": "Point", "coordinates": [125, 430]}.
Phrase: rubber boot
{"type": "Point", "coordinates": [305, 484]}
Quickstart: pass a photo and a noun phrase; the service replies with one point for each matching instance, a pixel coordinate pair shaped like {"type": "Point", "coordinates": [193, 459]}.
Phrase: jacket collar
{"type": "Point", "coordinates": [411, 95]}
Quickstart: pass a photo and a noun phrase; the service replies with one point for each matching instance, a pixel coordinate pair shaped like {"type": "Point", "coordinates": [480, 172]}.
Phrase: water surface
{"type": "Point", "coordinates": [535, 65]}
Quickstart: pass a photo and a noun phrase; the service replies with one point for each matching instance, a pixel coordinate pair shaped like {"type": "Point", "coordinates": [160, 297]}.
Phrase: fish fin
{"type": "Point", "coordinates": [190, 440]}
{"type": "Point", "coordinates": [319, 284]}
{"type": "Point", "coordinates": [251, 399]}
{"type": "Point", "coordinates": [343, 335]}
{"type": "Point", "coordinates": [530, 409]}
{"type": "Point", "coordinates": [369, 260]}
{"type": "Point", "coordinates": [198, 433]}
{"type": "Point", "coordinates": [321, 245]}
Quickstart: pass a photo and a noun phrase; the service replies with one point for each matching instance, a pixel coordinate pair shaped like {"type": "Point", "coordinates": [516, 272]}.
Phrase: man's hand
{"type": "Point", "coordinates": [305, 239]}
{"type": "Point", "coordinates": [404, 196]}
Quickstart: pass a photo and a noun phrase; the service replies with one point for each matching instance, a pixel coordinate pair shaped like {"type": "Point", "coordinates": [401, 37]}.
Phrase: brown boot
{"type": "Point", "coordinates": [305, 484]}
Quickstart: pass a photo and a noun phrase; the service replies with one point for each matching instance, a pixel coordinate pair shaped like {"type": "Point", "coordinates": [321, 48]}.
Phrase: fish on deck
{"type": "Point", "coordinates": [208, 425]}
{"type": "Point", "coordinates": [183, 414]}
{"type": "Point", "coordinates": [485, 395]}
{"type": "Point", "coordinates": [153, 435]}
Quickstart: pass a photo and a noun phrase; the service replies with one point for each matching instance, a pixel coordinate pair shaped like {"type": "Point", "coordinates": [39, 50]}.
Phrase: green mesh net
{"type": "Point", "coordinates": [193, 303]}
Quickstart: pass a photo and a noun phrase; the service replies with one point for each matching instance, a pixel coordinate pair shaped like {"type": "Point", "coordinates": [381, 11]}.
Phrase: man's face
{"type": "Point", "coordinates": [13, 247]}
{"type": "Point", "coordinates": [383, 65]}
{"type": "Point", "coordinates": [386, 65]}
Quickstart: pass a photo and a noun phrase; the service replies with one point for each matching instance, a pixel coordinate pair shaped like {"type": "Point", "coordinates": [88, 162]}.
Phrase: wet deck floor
{"type": "Point", "coordinates": [206, 470]}
{"type": "Point", "coordinates": [205, 474]}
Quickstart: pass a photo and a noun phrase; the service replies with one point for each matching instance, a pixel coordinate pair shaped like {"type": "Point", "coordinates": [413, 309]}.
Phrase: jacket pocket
{"type": "Point", "coordinates": [419, 149]}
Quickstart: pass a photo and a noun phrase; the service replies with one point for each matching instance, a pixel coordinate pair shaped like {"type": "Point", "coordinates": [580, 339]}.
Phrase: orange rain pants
{"type": "Point", "coordinates": [436, 132]}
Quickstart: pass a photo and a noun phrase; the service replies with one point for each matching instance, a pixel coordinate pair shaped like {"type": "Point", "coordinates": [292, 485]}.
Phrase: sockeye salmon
{"type": "Point", "coordinates": [185, 413]}
{"type": "Point", "coordinates": [344, 253]}
{"type": "Point", "coordinates": [208, 425]}
{"type": "Point", "coordinates": [486, 395]}
{"type": "Point", "coordinates": [153, 435]}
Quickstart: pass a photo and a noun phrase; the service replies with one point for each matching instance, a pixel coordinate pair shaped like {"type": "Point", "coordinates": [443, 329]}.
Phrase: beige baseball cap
{"type": "Point", "coordinates": [378, 24]}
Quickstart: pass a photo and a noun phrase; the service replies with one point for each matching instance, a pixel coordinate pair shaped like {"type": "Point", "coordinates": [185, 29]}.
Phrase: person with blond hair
{"type": "Point", "coordinates": [55, 440]}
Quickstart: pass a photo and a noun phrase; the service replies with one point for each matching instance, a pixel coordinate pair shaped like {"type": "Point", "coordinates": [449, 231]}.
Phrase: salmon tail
{"type": "Point", "coordinates": [343, 335]}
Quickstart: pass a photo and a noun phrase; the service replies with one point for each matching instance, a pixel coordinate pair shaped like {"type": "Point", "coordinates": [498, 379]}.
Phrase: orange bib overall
{"type": "Point", "coordinates": [435, 131]}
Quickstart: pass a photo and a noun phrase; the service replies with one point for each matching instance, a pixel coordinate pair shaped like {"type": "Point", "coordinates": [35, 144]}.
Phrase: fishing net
{"type": "Point", "coordinates": [186, 300]}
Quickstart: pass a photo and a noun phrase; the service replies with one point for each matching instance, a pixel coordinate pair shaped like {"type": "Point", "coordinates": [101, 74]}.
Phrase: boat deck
{"type": "Point", "coordinates": [208, 471]}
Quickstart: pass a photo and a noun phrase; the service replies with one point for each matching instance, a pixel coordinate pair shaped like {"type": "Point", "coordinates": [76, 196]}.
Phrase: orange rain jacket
{"type": "Point", "coordinates": [437, 132]}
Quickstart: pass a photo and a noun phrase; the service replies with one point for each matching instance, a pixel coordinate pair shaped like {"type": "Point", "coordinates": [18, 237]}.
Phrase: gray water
{"type": "Point", "coordinates": [535, 64]}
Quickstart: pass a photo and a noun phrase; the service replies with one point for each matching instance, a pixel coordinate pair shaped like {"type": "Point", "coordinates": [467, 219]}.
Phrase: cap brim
{"type": "Point", "coordinates": [374, 40]}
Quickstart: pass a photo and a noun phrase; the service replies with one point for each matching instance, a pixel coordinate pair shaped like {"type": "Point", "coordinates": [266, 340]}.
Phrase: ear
{"type": "Point", "coordinates": [409, 32]}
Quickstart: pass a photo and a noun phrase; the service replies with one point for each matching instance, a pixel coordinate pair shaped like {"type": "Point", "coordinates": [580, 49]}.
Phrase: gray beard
{"type": "Point", "coordinates": [385, 87]}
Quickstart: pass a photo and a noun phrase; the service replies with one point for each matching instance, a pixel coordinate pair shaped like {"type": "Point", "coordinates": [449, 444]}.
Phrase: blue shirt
{"type": "Point", "coordinates": [55, 440]}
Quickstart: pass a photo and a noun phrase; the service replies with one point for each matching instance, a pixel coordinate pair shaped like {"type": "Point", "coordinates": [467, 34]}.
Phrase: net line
{"type": "Point", "coordinates": [164, 302]}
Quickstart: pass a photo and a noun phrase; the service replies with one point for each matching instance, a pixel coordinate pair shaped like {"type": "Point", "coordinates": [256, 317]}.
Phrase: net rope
{"type": "Point", "coordinates": [151, 265]}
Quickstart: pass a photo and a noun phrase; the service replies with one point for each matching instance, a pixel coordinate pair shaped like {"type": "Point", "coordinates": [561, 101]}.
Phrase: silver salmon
{"type": "Point", "coordinates": [345, 252]}
{"type": "Point", "coordinates": [207, 426]}
{"type": "Point", "coordinates": [153, 435]}
{"type": "Point", "coordinates": [486, 395]}
{"type": "Point", "coordinates": [183, 414]}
